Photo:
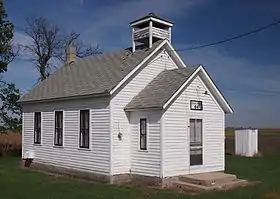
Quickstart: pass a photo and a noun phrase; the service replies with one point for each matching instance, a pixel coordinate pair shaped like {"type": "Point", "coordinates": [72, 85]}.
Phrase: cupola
{"type": "Point", "coordinates": [149, 29]}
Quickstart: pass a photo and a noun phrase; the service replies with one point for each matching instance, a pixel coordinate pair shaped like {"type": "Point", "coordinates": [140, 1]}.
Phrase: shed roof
{"type": "Point", "coordinates": [93, 75]}
{"type": "Point", "coordinates": [161, 89]}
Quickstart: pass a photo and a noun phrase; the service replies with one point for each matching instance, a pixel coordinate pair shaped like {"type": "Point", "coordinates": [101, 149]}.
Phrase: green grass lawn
{"type": "Point", "coordinates": [16, 183]}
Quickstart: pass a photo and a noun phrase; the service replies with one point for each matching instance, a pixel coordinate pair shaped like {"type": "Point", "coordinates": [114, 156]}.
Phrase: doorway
{"type": "Point", "coordinates": [196, 156]}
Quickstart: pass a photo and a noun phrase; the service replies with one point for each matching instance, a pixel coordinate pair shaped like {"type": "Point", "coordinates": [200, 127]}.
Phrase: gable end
{"type": "Point", "coordinates": [211, 86]}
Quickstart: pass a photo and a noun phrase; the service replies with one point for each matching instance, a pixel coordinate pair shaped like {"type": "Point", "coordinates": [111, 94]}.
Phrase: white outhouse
{"type": "Point", "coordinates": [246, 142]}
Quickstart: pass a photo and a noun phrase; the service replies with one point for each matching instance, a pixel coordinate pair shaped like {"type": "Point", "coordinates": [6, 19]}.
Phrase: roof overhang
{"type": "Point", "coordinates": [105, 94]}
{"type": "Point", "coordinates": [137, 22]}
{"type": "Point", "coordinates": [211, 86]}
{"type": "Point", "coordinates": [143, 109]}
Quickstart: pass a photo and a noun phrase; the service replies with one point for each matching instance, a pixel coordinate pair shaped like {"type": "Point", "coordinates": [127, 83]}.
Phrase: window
{"type": "Point", "coordinates": [196, 105]}
{"type": "Point", "coordinates": [143, 134]}
{"type": "Point", "coordinates": [37, 128]}
{"type": "Point", "coordinates": [58, 129]}
{"type": "Point", "coordinates": [195, 142]}
{"type": "Point", "coordinates": [84, 129]}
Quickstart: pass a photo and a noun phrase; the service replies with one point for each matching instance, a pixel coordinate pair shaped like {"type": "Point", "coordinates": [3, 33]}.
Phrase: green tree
{"type": "Point", "coordinates": [10, 111]}
{"type": "Point", "coordinates": [6, 36]}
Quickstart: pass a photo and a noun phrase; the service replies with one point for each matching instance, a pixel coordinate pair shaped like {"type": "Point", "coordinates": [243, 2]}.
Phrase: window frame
{"type": "Point", "coordinates": [35, 126]}
{"type": "Point", "coordinates": [195, 123]}
{"type": "Point", "coordinates": [196, 109]}
{"type": "Point", "coordinates": [80, 129]}
{"type": "Point", "coordinates": [62, 129]}
{"type": "Point", "coordinates": [196, 146]}
{"type": "Point", "coordinates": [146, 134]}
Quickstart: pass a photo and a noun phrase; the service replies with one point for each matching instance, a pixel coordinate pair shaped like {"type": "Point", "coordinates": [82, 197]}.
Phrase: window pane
{"type": "Point", "coordinates": [84, 128]}
{"type": "Point", "coordinates": [37, 128]}
{"type": "Point", "coordinates": [86, 123]}
{"type": "Point", "coordinates": [192, 131]}
{"type": "Point", "coordinates": [86, 139]}
{"type": "Point", "coordinates": [38, 120]}
{"type": "Point", "coordinates": [58, 128]}
{"type": "Point", "coordinates": [143, 142]}
{"type": "Point", "coordinates": [143, 134]}
{"type": "Point", "coordinates": [84, 119]}
{"type": "Point", "coordinates": [196, 142]}
{"type": "Point", "coordinates": [198, 131]}
{"type": "Point", "coordinates": [81, 139]}
{"type": "Point", "coordinates": [196, 157]}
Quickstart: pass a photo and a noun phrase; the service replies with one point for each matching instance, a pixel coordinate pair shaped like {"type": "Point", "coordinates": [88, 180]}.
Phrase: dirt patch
{"type": "Point", "coordinates": [275, 195]}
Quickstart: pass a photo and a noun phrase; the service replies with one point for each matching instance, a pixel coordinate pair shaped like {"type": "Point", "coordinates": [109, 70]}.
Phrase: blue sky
{"type": "Point", "coordinates": [246, 70]}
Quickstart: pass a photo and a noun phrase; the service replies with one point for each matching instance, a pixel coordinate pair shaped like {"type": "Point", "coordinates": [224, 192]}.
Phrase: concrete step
{"type": "Point", "coordinates": [190, 186]}
{"type": "Point", "coordinates": [196, 187]}
{"type": "Point", "coordinates": [208, 179]}
{"type": "Point", "coordinates": [235, 183]}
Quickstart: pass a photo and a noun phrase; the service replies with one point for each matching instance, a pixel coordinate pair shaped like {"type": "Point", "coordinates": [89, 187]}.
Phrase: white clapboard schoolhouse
{"type": "Point", "coordinates": [137, 112]}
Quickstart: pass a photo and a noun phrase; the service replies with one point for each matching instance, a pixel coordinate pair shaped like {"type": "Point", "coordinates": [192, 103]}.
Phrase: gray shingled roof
{"type": "Point", "coordinates": [151, 15]}
{"type": "Point", "coordinates": [97, 74]}
{"type": "Point", "coordinates": [161, 89]}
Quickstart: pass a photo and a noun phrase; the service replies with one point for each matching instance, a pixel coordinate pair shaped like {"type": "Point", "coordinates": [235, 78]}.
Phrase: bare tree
{"type": "Point", "coordinates": [48, 43]}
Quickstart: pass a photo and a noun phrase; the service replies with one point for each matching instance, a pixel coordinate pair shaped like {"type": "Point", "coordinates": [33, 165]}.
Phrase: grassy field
{"type": "Point", "coordinates": [16, 183]}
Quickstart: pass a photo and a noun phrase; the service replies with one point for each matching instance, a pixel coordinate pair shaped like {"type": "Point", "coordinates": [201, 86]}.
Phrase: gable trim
{"type": "Point", "coordinates": [153, 19]}
{"type": "Point", "coordinates": [228, 109]}
{"type": "Point", "coordinates": [171, 49]}
{"type": "Point", "coordinates": [175, 54]}
{"type": "Point", "coordinates": [136, 69]}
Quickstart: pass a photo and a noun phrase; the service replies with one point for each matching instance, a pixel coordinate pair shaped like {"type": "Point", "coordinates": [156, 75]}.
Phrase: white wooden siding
{"type": "Point", "coordinates": [96, 159]}
{"type": "Point", "coordinates": [121, 148]}
{"type": "Point", "coordinates": [175, 149]}
{"type": "Point", "coordinates": [176, 137]}
{"type": "Point", "coordinates": [145, 162]}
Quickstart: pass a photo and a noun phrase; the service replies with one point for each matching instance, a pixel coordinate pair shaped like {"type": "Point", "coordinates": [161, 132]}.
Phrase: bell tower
{"type": "Point", "coordinates": [150, 29]}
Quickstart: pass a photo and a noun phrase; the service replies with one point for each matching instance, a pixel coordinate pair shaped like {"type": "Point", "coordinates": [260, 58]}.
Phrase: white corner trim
{"type": "Point", "coordinates": [136, 68]}
{"type": "Point", "coordinates": [111, 168]}
{"type": "Point", "coordinates": [200, 68]}
{"type": "Point", "coordinates": [162, 146]}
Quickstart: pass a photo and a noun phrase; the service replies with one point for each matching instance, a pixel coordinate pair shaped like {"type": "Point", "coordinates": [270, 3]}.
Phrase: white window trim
{"type": "Point", "coordinates": [147, 135]}
{"type": "Point", "coordinates": [63, 129]}
{"type": "Point", "coordinates": [41, 121]}
{"type": "Point", "coordinates": [89, 126]}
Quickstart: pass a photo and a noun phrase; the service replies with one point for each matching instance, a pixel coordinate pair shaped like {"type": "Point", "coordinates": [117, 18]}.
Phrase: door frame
{"type": "Point", "coordinates": [195, 168]}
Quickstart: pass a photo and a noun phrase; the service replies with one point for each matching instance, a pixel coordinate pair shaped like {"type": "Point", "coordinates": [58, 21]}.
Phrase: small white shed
{"type": "Point", "coordinates": [246, 142]}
